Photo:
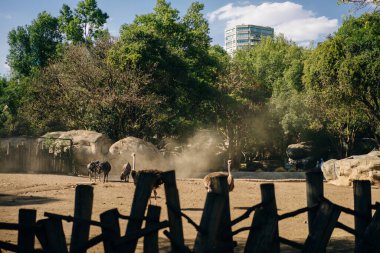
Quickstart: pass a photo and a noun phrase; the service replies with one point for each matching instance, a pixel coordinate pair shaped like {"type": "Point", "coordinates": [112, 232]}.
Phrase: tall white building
{"type": "Point", "coordinates": [244, 35]}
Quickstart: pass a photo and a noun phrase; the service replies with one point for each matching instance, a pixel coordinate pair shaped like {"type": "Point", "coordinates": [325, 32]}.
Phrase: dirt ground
{"type": "Point", "coordinates": [55, 193]}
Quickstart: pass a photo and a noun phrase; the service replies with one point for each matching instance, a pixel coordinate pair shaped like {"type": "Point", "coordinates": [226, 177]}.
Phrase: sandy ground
{"type": "Point", "coordinates": [55, 193]}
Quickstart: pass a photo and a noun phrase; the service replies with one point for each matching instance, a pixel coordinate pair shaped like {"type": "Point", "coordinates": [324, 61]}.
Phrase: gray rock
{"type": "Point", "coordinates": [298, 151]}
{"type": "Point", "coordinates": [361, 167]}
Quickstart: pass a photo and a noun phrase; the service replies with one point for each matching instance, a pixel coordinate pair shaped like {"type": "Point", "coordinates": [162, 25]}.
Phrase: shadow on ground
{"type": "Point", "coordinates": [15, 200]}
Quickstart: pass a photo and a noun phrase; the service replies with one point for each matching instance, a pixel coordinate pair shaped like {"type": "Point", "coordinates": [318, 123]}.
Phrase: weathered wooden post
{"type": "Point", "coordinates": [52, 236]}
{"type": "Point", "coordinates": [224, 236]}
{"type": "Point", "coordinates": [314, 194]}
{"type": "Point", "coordinates": [110, 229]}
{"type": "Point", "coordinates": [84, 196]}
{"type": "Point", "coordinates": [173, 207]}
{"type": "Point", "coordinates": [151, 240]}
{"type": "Point", "coordinates": [362, 206]}
{"type": "Point", "coordinates": [26, 220]}
{"type": "Point", "coordinates": [207, 239]}
{"type": "Point", "coordinates": [371, 242]}
{"type": "Point", "coordinates": [322, 228]}
{"type": "Point", "coordinates": [264, 236]}
{"type": "Point", "coordinates": [143, 190]}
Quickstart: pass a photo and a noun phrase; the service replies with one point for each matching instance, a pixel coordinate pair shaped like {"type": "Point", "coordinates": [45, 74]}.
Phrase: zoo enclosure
{"type": "Point", "coordinates": [215, 232]}
{"type": "Point", "coordinates": [32, 154]}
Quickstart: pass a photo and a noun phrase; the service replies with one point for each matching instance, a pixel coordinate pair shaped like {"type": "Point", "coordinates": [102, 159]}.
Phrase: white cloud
{"type": "Point", "coordinates": [288, 18]}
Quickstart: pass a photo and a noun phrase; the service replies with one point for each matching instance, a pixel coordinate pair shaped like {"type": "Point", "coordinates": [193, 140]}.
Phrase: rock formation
{"type": "Point", "coordinates": [299, 154]}
{"type": "Point", "coordinates": [149, 156]}
{"type": "Point", "coordinates": [359, 167]}
{"type": "Point", "coordinates": [86, 145]}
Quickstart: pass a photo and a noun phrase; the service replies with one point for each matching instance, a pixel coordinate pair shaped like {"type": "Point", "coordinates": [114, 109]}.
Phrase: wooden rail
{"type": "Point", "coordinates": [214, 233]}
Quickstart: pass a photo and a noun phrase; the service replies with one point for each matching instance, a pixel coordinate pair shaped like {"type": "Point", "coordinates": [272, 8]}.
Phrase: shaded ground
{"type": "Point", "coordinates": [54, 193]}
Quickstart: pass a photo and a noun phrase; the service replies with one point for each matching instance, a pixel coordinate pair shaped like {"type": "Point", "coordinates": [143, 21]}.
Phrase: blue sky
{"type": "Point", "coordinates": [301, 21]}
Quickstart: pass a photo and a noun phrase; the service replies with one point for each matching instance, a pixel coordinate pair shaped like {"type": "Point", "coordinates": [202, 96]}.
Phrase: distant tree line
{"type": "Point", "coordinates": [162, 78]}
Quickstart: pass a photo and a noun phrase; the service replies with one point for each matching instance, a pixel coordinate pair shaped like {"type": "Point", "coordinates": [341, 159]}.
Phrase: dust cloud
{"type": "Point", "coordinates": [200, 154]}
{"type": "Point", "coordinates": [195, 157]}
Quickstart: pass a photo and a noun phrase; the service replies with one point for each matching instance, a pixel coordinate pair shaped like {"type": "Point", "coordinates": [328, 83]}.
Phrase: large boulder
{"type": "Point", "coordinates": [361, 167]}
{"type": "Point", "coordinates": [298, 151]}
{"type": "Point", "coordinates": [86, 145]}
{"type": "Point", "coordinates": [300, 155]}
{"type": "Point", "coordinates": [147, 155]}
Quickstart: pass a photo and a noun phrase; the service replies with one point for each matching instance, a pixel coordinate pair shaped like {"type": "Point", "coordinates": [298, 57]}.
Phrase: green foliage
{"type": "Point", "coordinates": [341, 75]}
{"type": "Point", "coordinates": [162, 78]}
{"type": "Point", "coordinates": [33, 46]}
{"type": "Point", "coordinates": [83, 92]}
{"type": "Point", "coordinates": [266, 80]}
{"type": "Point", "coordinates": [84, 24]}
{"type": "Point", "coordinates": [69, 25]}
{"type": "Point", "coordinates": [12, 96]}
{"type": "Point", "coordinates": [176, 52]}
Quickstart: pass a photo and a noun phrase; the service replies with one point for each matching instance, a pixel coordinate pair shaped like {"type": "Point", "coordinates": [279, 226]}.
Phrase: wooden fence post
{"type": "Point", "coordinates": [110, 229]}
{"type": "Point", "coordinates": [323, 226]}
{"type": "Point", "coordinates": [211, 222]}
{"type": "Point", "coordinates": [362, 206]}
{"type": "Point", "coordinates": [142, 194]}
{"type": "Point", "coordinates": [314, 193]}
{"type": "Point", "coordinates": [151, 240]}
{"type": "Point", "coordinates": [371, 242]}
{"type": "Point", "coordinates": [52, 236]}
{"type": "Point", "coordinates": [172, 202]}
{"type": "Point", "coordinates": [263, 236]}
{"type": "Point", "coordinates": [84, 195]}
{"type": "Point", "coordinates": [224, 237]}
{"type": "Point", "coordinates": [26, 219]}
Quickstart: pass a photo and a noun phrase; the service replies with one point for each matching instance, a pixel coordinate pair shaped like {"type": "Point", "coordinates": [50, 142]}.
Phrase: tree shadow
{"type": "Point", "coordinates": [15, 200]}
{"type": "Point", "coordinates": [339, 245]}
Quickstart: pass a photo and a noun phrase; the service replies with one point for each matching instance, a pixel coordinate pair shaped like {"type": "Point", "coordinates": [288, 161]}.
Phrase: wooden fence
{"type": "Point", "coordinates": [214, 233]}
{"type": "Point", "coordinates": [32, 154]}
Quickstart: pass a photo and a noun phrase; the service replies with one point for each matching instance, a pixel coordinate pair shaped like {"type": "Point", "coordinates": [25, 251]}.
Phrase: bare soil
{"type": "Point", "coordinates": [55, 193]}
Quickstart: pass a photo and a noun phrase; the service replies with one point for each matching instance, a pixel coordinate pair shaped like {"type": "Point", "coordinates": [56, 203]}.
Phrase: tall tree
{"type": "Point", "coordinates": [12, 97]}
{"type": "Point", "coordinates": [259, 79]}
{"type": "Point", "coordinates": [176, 52]}
{"type": "Point", "coordinates": [84, 24]}
{"type": "Point", "coordinates": [82, 91]}
{"type": "Point", "coordinates": [344, 70]}
{"type": "Point", "coordinates": [32, 46]}
{"type": "Point", "coordinates": [69, 25]}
